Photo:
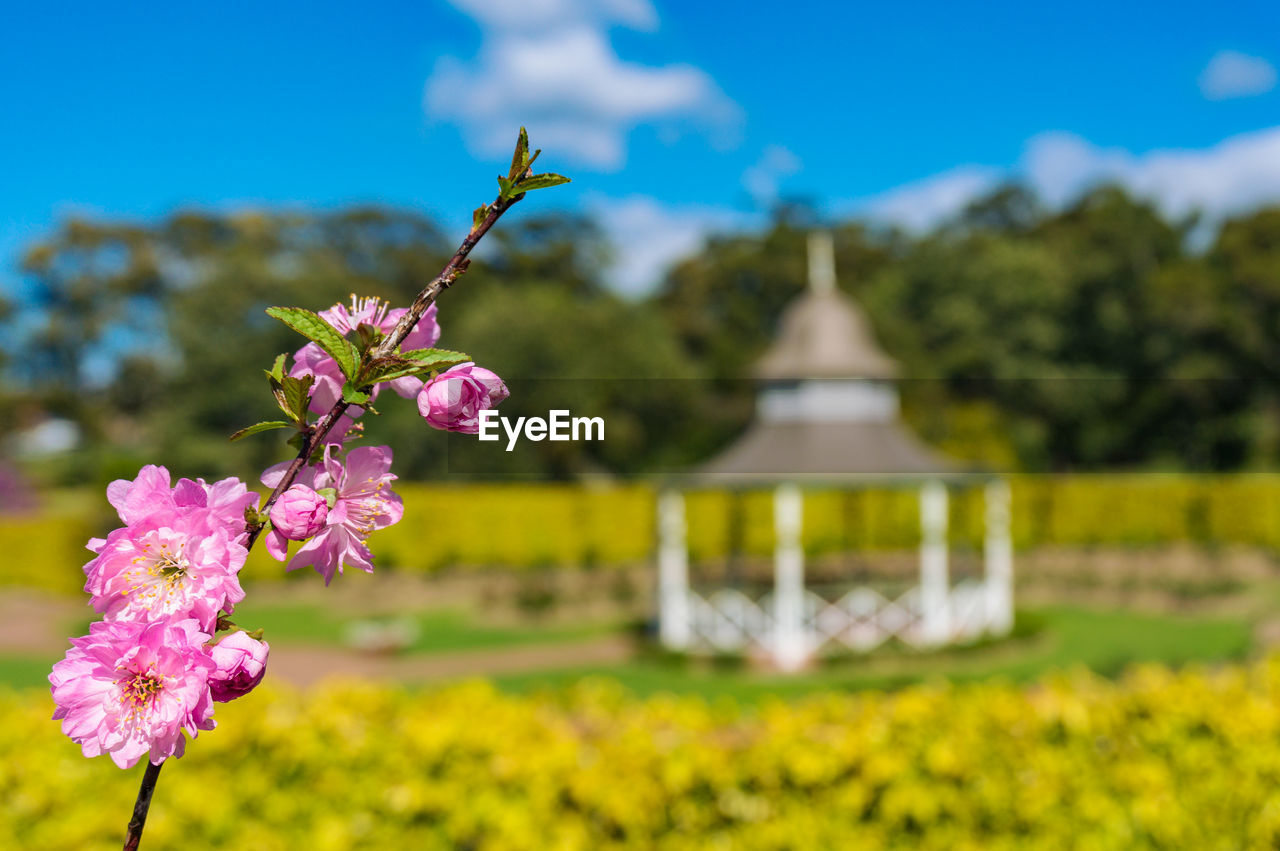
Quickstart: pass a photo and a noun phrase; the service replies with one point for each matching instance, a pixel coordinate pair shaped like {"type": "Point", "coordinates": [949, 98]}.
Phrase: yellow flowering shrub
{"type": "Point", "coordinates": [561, 525]}
{"type": "Point", "coordinates": [1159, 759]}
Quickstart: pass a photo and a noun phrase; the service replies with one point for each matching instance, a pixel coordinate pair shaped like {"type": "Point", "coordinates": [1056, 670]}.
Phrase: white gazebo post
{"type": "Point", "coordinates": [935, 605]}
{"type": "Point", "coordinates": [790, 645]}
{"type": "Point", "coordinates": [998, 556]}
{"type": "Point", "coordinates": [673, 572]}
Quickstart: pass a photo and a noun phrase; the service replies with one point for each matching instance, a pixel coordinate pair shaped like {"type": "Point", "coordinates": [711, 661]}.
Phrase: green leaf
{"type": "Point", "coordinates": [520, 159]}
{"type": "Point", "coordinates": [354, 396]}
{"type": "Point", "coordinates": [277, 369]}
{"type": "Point", "coordinates": [478, 216]}
{"type": "Point", "coordinates": [542, 181]}
{"type": "Point", "coordinates": [416, 362]}
{"type": "Point", "coordinates": [435, 356]}
{"type": "Point", "coordinates": [504, 187]}
{"type": "Point", "coordinates": [257, 427]}
{"type": "Point", "coordinates": [296, 396]}
{"type": "Point", "coordinates": [311, 326]}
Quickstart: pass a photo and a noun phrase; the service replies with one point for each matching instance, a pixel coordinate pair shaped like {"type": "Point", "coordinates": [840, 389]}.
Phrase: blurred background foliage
{"type": "Point", "coordinates": [1100, 336]}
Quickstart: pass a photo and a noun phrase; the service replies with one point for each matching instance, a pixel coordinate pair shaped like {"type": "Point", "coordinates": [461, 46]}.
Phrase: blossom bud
{"type": "Point", "coordinates": [453, 400]}
{"type": "Point", "coordinates": [241, 662]}
{"type": "Point", "coordinates": [299, 513]}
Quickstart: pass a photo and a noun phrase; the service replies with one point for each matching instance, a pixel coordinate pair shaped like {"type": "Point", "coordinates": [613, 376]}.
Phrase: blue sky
{"type": "Point", "coordinates": [673, 118]}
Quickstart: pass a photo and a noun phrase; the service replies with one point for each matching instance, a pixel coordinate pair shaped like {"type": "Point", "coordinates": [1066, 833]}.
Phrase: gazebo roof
{"type": "Point", "coordinates": [823, 333]}
{"type": "Point", "coordinates": [826, 451]}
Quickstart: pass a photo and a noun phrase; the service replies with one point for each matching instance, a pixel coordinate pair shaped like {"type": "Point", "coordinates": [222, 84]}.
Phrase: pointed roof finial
{"type": "Point", "coordinates": [822, 333]}
{"type": "Point", "coordinates": [822, 262]}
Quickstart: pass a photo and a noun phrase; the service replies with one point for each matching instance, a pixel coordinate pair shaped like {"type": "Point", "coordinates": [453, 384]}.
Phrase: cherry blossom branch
{"type": "Point", "coordinates": [140, 806]}
{"type": "Point", "coordinates": [456, 266]}
{"type": "Point", "coordinates": [314, 437]}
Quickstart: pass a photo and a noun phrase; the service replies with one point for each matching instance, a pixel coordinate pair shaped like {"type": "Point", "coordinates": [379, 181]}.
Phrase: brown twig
{"type": "Point", "coordinates": [456, 266]}
{"type": "Point", "coordinates": [141, 805]}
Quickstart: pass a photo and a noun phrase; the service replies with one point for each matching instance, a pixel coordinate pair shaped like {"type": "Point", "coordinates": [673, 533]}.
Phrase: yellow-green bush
{"type": "Point", "coordinates": [1157, 760]}
{"type": "Point", "coordinates": [522, 525]}
{"type": "Point", "coordinates": [1095, 509]}
{"type": "Point", "coordinates": [533, 526]}
{"type": "Point", "coordinates": [46, 551]}
{"type": "Point", "coordinates": [1245, 509]}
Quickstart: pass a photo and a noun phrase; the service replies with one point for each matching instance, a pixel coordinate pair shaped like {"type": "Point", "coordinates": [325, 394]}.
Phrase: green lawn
{"type": "Point", "coordinates": [438, 631]}
{"type": "Point", "coordinates": [1103, 641]}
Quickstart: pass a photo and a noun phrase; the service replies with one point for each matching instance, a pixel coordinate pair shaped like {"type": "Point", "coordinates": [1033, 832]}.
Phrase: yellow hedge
{"type": "Point", "coordinates": [46, 551]}
{"type": "Point", "coordinates": [520, 525]}
{"type": "Point", "coordinates": [1157, 760]}
{"type": "Point", "coordinates": [542, 525]}
{"type": "Point", "coordinates": [532, 526]}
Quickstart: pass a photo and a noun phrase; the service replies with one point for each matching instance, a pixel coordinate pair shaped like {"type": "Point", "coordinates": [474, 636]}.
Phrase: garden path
{"type": "Point", "coordinates": [34, 623]}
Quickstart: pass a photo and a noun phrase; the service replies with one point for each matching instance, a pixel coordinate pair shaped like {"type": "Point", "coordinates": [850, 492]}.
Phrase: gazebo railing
{"type": "Point", "coordinates": [731, 621]}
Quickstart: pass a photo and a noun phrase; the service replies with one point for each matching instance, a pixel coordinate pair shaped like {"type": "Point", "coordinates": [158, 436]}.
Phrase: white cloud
{"type": "Point", "coordinates": [1061, 166]}
{"type": "Point", "coordinates": [528, 15]}
{"type": "Point", "coordinates": [548, 64]}
{"type": "Point", "coordinates": [1231, 74]}
{"type": "Point", "coordinates": [924, 203]}
{"type": "Point", "coordinates": [648, 236]}
{"type": "Point", "coordinates": [761, 179]}
{"type": "Point", "coordinates": [1236, 175]}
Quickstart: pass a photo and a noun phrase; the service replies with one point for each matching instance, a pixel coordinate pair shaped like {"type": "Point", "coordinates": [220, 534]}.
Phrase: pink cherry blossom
{"type": "Point", "coordinates": [169, 564]}
{"type": "Point", "coordinates": [312, 360]}
{"type": "Point", "coordinates": [178, 555]}
{"type": "Point", "coordinates": [363, 504]}
{"type": "Point", "coordinates": [127, 689]}
{"type": "Point", "coordinates": [241, 663]}
{"type": "Point", "coordinates": [454, 399]}
{"type": "Point", "coordinates": [299, 513]}
{"type": "Point", "coordinates": [327, 387]}
{"type": "Point", "coordinates": [374, 311]}
{"type": "Point", "coordinates": [149, 494]}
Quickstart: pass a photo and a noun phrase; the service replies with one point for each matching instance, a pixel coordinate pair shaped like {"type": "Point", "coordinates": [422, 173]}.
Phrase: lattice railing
{"type": "Point", "coordinates": [862, 619]}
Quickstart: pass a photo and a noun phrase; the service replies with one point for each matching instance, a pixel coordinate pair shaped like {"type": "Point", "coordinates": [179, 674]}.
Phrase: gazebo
{"type": "Point", "coordinates": [827, 415]}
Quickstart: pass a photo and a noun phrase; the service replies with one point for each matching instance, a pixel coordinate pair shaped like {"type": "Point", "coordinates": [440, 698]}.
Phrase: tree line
{"type": "Point", "coordinates": [1098, 336]}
